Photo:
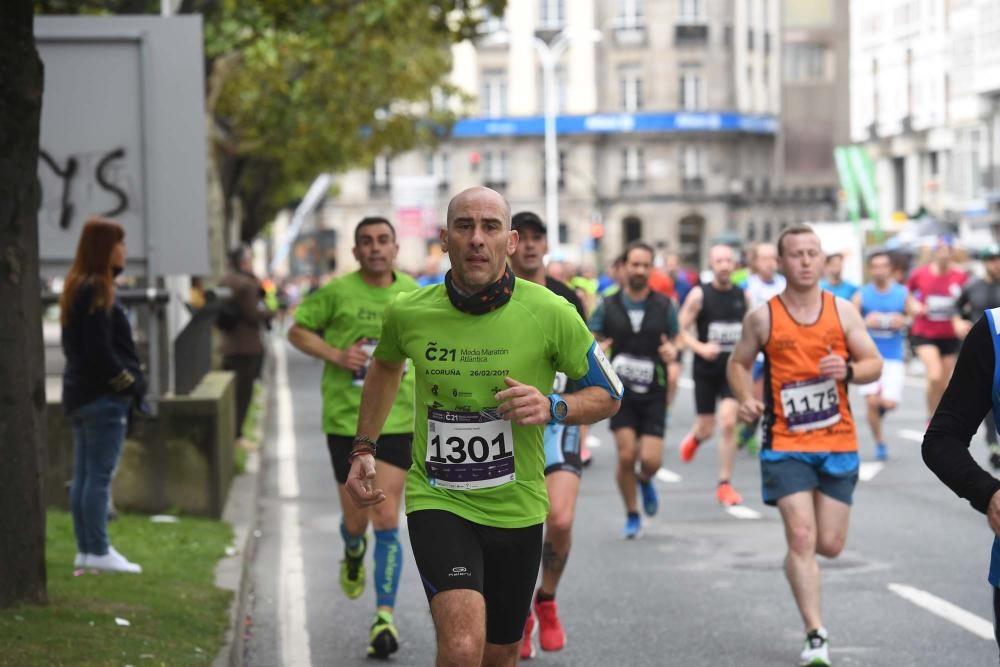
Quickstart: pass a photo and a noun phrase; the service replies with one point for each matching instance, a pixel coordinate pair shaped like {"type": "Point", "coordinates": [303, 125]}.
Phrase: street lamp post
{"type": "Point", "coordinates": [549, 54]}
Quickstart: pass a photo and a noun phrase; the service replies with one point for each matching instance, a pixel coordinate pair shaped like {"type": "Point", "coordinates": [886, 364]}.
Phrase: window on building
{"type": "Point", "coordinates": [563, 233]}
{"type": "Point", "coordinates": [691, 12]}
{"type": "Point", "coordinates": [632, 228]}
{"type": "Point", "coordinates": [379, 177]}
{"type": "Point", "coordinates": [751, 231]}
{"type": "Point", "coordinates": [495, 169]}
{"type": "Point", "coordinates": [899, 183]}
{"type": "Point", "coordinates": [689, 235]}
{"type": "Point", "coordinates": [633, 167]}
{"type": "Point", "coordinates": [437, 165]}
{"type": "Point", "coordinates": [691, 162]}
{"type": "Point", "coordinates": [805, 62]}
{"type": "Point", "coordinates": [552, 14]}
{"type": "Point", "coordinates": [493, 94]}
{"type": "Point", "coordinates": [560, 74]}
{"type": "Point", "coordinates": [631, 13]}
{"type": "Point", "coordinates": [630, 87]}
{"type": "Point", "coordinates": [692, 91]}
{"type": "Point", "coordinates": [768, 232]}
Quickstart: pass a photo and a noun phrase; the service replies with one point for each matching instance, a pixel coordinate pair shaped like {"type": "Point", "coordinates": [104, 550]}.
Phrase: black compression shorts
{"type": "Point", "coordinates": [945, 346]}
{"type": "Point", "coordinates": [708, 389]}
{"type": "Point", "coordinates": [394, 449]}
{"type": "Point", "coordinates": [645, 413]}
{"type": "Point", "coordinates": [501, 563]}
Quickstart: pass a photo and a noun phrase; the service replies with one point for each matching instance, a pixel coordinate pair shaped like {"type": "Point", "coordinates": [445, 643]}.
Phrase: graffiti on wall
{"type": "Point", "coordinates": [87, 183]}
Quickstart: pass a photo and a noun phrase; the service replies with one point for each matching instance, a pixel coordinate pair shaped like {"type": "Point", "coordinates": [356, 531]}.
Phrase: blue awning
{"type": "Point", "coordinates": [618, 123]}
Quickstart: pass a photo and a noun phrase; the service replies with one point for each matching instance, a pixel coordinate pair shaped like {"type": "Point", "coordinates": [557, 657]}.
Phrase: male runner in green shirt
{"type": "Point", "coordinates": [340, 324]}
{"type": "Point", "coordinates": [485, 348]}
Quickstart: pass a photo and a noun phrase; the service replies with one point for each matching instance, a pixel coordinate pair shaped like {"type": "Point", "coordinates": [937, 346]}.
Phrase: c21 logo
{"type": "Point", "coordinates": [434, 353]}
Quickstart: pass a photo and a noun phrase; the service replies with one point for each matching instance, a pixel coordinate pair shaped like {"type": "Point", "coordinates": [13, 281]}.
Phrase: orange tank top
{"type": "Point", "coordinates": [805, 412]}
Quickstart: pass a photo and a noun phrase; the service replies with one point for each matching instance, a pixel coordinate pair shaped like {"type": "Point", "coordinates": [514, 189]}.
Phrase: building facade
{"type": "Point", "coordinates": [925, 92]}
{"type": "Point", "coordinates": [668, 129]}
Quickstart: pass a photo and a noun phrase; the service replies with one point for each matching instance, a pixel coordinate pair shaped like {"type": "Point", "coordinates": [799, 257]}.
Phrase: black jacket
{"type": "Point", "coordinates": [101, 357]}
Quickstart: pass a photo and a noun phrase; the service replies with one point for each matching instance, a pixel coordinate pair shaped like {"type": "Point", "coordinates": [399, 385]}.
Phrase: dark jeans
{"type": "Point", "coordinates": [98, 433]}
{"type": "Point", "coordinates": [247, 368]}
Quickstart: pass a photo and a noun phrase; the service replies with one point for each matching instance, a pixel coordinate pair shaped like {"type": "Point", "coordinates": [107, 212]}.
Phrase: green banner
{"type": "Point", "coordinates": [863, 170]}
{"type": "Point", "coordinates": [848, 184]}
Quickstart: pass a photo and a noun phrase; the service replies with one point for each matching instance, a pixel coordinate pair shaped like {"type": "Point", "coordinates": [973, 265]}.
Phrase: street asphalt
{"type": "Point", "coordinates": [703, 586]}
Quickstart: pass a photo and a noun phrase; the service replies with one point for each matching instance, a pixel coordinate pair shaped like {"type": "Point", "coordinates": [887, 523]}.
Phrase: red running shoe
{"type": "Point", "coordinates": [727, 495]}
{"type": "Point", "coordinates": [550, 631]}
{"type": "Point", "coordinates": [688, 447]}
{"type": "Point", "coordinates": [527, 647]}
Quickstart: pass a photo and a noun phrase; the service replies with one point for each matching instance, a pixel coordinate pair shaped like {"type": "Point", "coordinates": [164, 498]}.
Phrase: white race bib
{"type": "Point", "coordinates": [638, 373]}
{"type": "Point", "coordinates": [726, 334]}
{"type": "Point", "coordinates": [358, 376]}
{"type": "Point", "coordinates": [469, 450]}
{"type": "Point", "coordinates": [810, 404]}
{"type": "Point", "coordinates": [940, 308]}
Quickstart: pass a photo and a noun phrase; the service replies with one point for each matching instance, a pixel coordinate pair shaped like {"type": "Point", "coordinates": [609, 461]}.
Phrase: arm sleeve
{"type": "Point", "coordinates": [962, 305]}
{"type": "Point", "coordinates": [103, 364]}
{"type": "Point", "coordinates": [390, 347]}
{"type": "Point", "coordinates": [962, 408]}
{"type": "Point", "coordinates": [571, 341]}
{"type": "Point", "coordinates": [673, 324]}
{"type": "Point", "coordinates": [314, 311]}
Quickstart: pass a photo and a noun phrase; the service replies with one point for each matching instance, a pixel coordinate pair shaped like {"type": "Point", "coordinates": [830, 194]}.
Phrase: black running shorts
{"type": "Point", "coordinates": [946, 346]}
{"type": "Point", "coordinates": [707, 390]}
{"type": "Point", "coordinates": [394, 449]}
{"type": "Point", "coordinates": [501, 563]}
{"type": "Point", "coordinates": [644, 413]}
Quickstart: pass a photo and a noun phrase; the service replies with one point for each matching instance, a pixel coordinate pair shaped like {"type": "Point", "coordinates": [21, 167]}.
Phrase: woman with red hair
{"type": "Point", "coordinates": [101, 380]}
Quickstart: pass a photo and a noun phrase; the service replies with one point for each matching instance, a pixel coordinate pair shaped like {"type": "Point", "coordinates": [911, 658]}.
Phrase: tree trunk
{"type": "Point", "coordinates": [22, 363]}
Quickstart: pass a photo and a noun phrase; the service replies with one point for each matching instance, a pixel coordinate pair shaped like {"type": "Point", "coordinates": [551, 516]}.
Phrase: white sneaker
{"type": "Point", "coordinates": [112, 562]}
{"type": "Point", "coordinates": [80, 561]}
{"type": "Point", "coordinates": [817, 650]}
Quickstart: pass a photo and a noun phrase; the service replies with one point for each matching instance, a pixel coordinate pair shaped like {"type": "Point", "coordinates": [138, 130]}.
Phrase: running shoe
{"type": "Point", "coordinates": [352, 571]}
{"type": "Point", "coordinates": [882, 452]}
{"type": "Point", "coordinates": [650, 500]}
{"type": "Point", "coordinates": [383, 637]}
{"type": "Point", "coordinates": [527, 646]}
{"type": "Point", "coordinates": [995, 457]}
{"type": "Point", "coordinates": [688, 448]}
{"type": "Point", "coordinates": [817, 650]}
{"type": "Point", "coordinates": [633, 527]}
{"type": "Point", "coordinates": [727, 495]}
{"type": "Point", "coordinates": [551, 636]}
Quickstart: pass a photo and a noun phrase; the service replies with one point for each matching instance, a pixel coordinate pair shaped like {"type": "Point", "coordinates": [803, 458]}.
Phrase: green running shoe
{"type": "Point", "coordinates": [384, 637]}
{"type": "Point", "coordinates": [352, 571]}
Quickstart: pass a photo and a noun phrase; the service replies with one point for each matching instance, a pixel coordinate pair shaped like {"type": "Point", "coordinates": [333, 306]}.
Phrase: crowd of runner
{"type": "Point", "coordinates": [470, 393]}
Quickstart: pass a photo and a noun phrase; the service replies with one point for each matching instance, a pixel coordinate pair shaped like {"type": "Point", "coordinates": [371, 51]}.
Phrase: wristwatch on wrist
{"type": "Point", "coordinates": [557, 408]}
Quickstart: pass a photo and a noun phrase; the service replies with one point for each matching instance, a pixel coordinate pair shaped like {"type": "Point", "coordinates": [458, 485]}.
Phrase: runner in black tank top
{"type": "Point", "coordinates": [717, 310]}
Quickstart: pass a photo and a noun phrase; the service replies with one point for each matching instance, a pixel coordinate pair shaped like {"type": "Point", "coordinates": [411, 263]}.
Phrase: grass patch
{"type": "Point", "coordinates": [177, 615]}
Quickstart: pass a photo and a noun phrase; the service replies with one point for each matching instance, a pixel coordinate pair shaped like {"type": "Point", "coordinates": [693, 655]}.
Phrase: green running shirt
{"type": "Point", "coordinates": [486, 470]}
{"type": "Point", "coordinates": [344, 311]}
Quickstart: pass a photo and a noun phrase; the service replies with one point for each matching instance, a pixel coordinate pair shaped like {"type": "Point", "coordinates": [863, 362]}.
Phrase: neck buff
{"type": "Point", "coordinates": [485, 301]}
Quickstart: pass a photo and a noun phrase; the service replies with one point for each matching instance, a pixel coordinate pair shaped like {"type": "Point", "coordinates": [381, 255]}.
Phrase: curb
{"type": "Point", "coordinates": [232, 573]}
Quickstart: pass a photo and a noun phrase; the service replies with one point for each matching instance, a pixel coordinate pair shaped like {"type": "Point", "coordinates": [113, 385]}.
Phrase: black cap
{"type": "Point", "coordinates": [527, 218]}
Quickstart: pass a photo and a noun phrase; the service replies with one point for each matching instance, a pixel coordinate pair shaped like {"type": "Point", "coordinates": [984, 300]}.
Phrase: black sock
{"type": "Point", "coordinates": [544, 597]}
{"type": "Point", "coordinates": [723, 481]}
{"type": "Point", "coordinates": [633, 515]}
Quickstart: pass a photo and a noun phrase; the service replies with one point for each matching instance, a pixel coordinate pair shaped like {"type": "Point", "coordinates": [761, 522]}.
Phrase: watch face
{"type": "Point", "coordinates": [561, 409]}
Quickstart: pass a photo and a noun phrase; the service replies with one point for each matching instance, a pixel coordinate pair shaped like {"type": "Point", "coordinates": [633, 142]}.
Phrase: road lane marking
{"type": "Point", "coordinates": [685, 383]}
{"type": "Point", "coordinates": [869, 469]}
{"type": "Point", "coordinates": [911, 434]}
{"type": "Point", "coordinates": [977, 625]}
{"type": "Point", "coordinates": [668, 476]}
{"type": "Point", "coordinates": [293, 630]}
{"type": "Point", "coordinates": [742, 512]}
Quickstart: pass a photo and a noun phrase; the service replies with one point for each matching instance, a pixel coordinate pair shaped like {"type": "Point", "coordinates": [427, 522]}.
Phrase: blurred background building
{"type": "Point", "coordinates": [670, 127]}
{"type": "Point", "coordinates": [925, 90]}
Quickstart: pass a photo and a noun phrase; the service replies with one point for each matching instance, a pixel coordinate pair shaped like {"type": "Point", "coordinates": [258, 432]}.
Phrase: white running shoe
{"type": "Point", "coordinates": [80, 561]}
{"type": "Point", "coordinates": [817, 650]}
{"type": "Point", "coordinates": [112, 562]}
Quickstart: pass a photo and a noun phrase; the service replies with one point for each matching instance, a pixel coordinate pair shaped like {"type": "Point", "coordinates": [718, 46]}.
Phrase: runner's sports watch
{"type": "Point", "coordinates": [557, 408]}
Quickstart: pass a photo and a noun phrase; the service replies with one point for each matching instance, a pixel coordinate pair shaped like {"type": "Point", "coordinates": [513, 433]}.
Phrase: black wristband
{"type": "Point", "coordinates": [850, 373]}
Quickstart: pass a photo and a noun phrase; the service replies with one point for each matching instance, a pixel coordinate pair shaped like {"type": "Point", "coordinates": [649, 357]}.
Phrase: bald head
{"type": "Point", "coordinates": [722, 262]}
{"type": "Point", "coordinates": [481, 194]}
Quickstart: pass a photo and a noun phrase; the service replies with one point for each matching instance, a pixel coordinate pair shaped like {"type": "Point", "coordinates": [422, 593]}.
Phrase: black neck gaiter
{"type": "Point", "coordinates": [485, 301]}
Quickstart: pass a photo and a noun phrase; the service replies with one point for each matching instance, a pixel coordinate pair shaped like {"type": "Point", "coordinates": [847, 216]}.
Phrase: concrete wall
{"type": "Point", "coordinates": [182, 460]}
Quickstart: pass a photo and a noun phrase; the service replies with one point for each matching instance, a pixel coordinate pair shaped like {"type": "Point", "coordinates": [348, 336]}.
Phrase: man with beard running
{"type": "Point", "coordinates": [809, 460]}
{"type": "Point", "coordinates": [485, 348]}
{"type": "Point", "coordinates": [638, 326]}
{"type": "Point", "coordinates": [339, 324]}
{"type": "Point", "coordinates": [717, 310]}
{"type": "Point", "coordinates": [563, 464]}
